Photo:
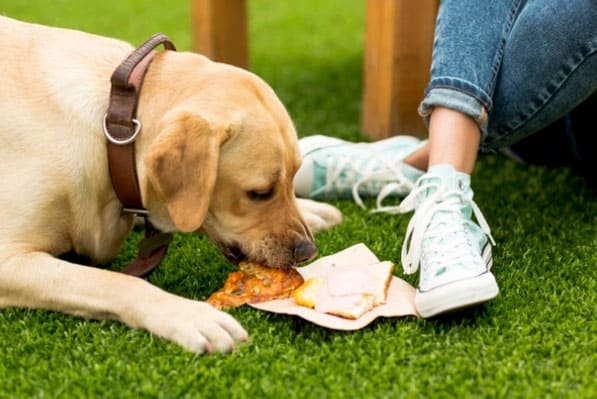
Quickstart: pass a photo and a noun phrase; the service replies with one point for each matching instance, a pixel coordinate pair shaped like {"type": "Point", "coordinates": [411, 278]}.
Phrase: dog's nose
{"type": "Point", "coordinates": [304, 251]}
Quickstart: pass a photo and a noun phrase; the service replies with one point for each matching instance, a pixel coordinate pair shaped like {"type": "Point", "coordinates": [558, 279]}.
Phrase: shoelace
{"type": "Point", "coordinates": [447, 245]}
{"type": "Point", "coordinates": [440, 200]}
{"type": "Point", "coordinates": [369, 173]}
{"type": "Point", "coordinates": [391, 175]}
{"type": "Point", "coordinates": [334, 171]}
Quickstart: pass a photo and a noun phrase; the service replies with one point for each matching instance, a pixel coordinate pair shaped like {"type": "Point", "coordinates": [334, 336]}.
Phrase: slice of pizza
{"type": "Point", "coordinates": [254, 283]}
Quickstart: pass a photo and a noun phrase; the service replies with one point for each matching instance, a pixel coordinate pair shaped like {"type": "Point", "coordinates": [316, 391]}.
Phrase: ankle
{"type": "Point", "coordinates": [419, 159]}
{"type": "Point", "coordinates": [454, 138]}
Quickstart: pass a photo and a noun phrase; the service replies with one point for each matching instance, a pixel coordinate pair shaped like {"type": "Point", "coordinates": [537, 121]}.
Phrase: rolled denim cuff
{"type": "Point", "coordinates": [457, 99]}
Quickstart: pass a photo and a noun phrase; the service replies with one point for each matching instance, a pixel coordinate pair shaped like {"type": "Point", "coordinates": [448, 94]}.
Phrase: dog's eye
{"type": "Point", "coordinates": [255, 195]}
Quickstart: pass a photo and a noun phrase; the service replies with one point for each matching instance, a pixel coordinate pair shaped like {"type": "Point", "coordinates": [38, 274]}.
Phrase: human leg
{"type": "Point", "coordinates": [464, 69]}
{"type": "Point", "coordinates": [453, 139]}
{"type": "Point", "coordinates": [540, 70]}
{"type": "Point", "coordinates": [545, 63]}
{"type": "Point", "coordinates": [467, 55]}
{"type": "Point", "coordinates": [549, 68]}
{"type": "Point", "coordinates": [452, 251]}
{"type": "Point", "coordinates": [546, 92]}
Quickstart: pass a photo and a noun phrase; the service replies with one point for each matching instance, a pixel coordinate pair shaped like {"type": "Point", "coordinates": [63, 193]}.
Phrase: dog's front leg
{"type": "Point", "coordinates": [38, 280]}
{"type": "Point", "coordinates": [319, 216]}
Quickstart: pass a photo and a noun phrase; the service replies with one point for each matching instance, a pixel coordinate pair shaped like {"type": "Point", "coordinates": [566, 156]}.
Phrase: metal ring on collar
{"type": "Point", "coordinates": [125, 141]}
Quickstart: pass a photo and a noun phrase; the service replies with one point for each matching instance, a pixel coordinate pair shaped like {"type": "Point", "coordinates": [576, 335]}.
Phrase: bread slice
{"type": "Point", "coordinates": [347, 291]}
{"type": "Point", "coordinates": [306, 294]}
{"type": "Point", "coordinates": [350, 306]}
{"type": "Point", "coordinates": [382, 276]}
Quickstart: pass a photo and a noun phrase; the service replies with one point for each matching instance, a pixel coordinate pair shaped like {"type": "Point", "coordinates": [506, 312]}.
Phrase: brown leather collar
{"type": "Point", "coordinates": [121, 128]}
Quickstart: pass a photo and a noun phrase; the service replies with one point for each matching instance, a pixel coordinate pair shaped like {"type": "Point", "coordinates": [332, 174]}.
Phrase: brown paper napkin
{"type": "Point", "coordinates": [400, 300]}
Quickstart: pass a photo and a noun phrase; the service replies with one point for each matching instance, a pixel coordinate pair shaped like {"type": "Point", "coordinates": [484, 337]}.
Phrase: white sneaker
{"type": "Point", "coordinates": [453, 252]}
{"type": "Point", "coordinates": [333, 168]}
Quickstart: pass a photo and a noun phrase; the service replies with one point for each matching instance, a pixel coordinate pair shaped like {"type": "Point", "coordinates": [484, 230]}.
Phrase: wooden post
{"type": "Point", "coordinates": [398, 43]}
{"type": "Point", "coordinates": [220, 30]}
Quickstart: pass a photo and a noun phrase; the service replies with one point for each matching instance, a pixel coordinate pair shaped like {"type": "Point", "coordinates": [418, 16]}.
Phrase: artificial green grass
{"type": "Point", "coordinates": [536, 340]}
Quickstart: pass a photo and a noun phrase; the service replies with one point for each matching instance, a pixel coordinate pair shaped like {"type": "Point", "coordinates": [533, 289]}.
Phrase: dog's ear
{"type": "Point", "coordinates": [182, 167]}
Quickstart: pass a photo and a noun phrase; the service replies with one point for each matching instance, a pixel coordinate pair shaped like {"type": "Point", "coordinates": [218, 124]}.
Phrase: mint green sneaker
{"type": "Point", "coordinates": [453, 252]}
{"type": "Point", "coordinates": [333, 168]}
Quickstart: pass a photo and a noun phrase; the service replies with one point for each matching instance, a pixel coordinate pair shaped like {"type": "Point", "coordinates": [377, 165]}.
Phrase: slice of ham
{"type": "Point", "coordinates": [348, 291]}
{"type": "Point", "coordinates": [350, 280]}
{"type": "Point", "coordinates": [350, 306]}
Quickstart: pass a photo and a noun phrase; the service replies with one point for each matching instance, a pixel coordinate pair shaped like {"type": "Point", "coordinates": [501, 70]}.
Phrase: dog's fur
{"type": "Point", "coordinates": [217, 154]}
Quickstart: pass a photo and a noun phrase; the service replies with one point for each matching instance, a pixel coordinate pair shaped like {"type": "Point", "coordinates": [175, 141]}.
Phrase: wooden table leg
{"type": "Point", "coordinates": [398, 43]}
{"type": "Point", "coordinates": [220, 30]}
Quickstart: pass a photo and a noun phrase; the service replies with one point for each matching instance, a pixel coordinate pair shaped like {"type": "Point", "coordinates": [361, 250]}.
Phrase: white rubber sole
{"type": "Point", "coordinates": [456, 295]}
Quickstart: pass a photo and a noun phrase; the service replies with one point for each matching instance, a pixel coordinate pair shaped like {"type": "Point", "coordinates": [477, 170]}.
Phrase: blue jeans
{"type": "Point", "coordinates": [515, 66]}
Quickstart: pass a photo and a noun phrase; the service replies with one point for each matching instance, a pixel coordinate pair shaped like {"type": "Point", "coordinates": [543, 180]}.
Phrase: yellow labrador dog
{"type": "Point", "coordinates": [217, 154]}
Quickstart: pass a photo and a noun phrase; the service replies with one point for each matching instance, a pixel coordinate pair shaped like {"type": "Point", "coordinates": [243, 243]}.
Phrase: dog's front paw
{"type": "Point", "coordinates": [319, 216]}
{"type": "Point", "coordinates": [195, 325]}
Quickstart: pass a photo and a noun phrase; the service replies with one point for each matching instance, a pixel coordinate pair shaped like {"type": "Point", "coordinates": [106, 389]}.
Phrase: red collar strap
{"type": "Point", "coordinates": [121, 128]}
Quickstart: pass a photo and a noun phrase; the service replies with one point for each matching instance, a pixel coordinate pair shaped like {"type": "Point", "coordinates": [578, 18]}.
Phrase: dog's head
{"type": "Point", "coordinates": [221, 160]}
